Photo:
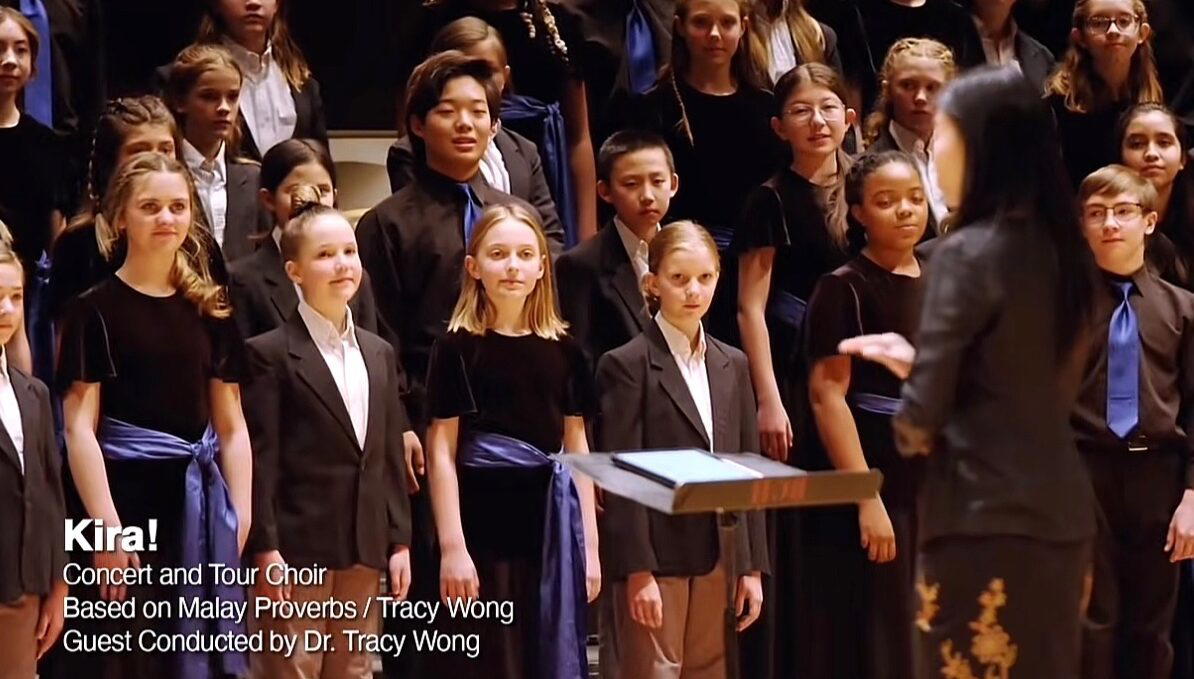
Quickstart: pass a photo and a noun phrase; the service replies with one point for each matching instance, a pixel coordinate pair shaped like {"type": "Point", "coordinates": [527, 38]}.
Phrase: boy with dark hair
{"type": "Point", "coordinates": [600, 280]}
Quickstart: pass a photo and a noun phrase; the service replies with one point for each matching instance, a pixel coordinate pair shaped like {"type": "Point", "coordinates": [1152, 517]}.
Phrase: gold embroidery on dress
{"type": "Point", "coordinates": [928, 604]}
{"type": "Point", "coordinates": [991, 644]}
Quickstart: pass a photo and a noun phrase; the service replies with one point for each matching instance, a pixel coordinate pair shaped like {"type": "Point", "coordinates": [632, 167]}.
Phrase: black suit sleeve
{"type": "Point", "coordinates": [365, 315]}
{"type": "Point", "coordinates": [319, 127]}
{"type": "Point", "coordinates": [1186, 364]}
{"type": "Point", "coordinates": [621, 428]}
{"type": "Point", "coordinates": [240, 295]}
{"type": "Point", "coordinates": [397, 423]}
{"type": "Point", "coordinates": [575, 287]}
{"type": "Point", "coordinates": [540, 194]}
{"type": "Point", "coordinates": [263, 415]}
{"type": "Point", "coordinates": [756, 529]}
{"type": "Point", "coordinates": [832, 57]}
{"type": "Point", "coordinates": [400, 164]}
{"type": "Point", "coordinates": [960, 300]}
{"type": "Point", "coordinates": [378, 254]}
{"type": "Point", "coordinates": [52, 464]}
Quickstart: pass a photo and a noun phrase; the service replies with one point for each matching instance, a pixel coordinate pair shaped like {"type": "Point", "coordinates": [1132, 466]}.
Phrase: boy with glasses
{"type": "Point", "coordinates": [1132, 423]}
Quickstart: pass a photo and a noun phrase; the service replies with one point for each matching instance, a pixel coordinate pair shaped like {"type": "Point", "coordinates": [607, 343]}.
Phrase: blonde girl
{"type": "Point", "coordinates": [149, 366]}
{"type": "Point", "coordinates": [915, 72]}
{"type": "Point", "coordinates": [507, 389]}
{"type": "Point", "coordinates": [786, 35]}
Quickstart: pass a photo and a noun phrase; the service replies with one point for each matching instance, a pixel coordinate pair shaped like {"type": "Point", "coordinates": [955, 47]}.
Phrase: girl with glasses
{"type": "Point", "coordinates": [1108, 67]}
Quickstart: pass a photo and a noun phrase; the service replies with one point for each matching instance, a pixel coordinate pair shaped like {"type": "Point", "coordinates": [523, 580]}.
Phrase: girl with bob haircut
{"type": "Point", "coordinates": [150, 369]}
{"type": "Point", "coordinates": [490, 463]}
{"type": "Point", "coordinates": [1008, 510]}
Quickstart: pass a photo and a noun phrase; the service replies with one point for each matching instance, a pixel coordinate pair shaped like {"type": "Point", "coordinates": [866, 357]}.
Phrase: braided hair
{"type": "Point", "coordinates": [537, 16]}
{"type": "Point", "coordinates": [118, 120]}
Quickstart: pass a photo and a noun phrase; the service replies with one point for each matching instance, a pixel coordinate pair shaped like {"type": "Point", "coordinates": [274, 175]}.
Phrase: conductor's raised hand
{"type": "Point", "coordinates": [888, 349]}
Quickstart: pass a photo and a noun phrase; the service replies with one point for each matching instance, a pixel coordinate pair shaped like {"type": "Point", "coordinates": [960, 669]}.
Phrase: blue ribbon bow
{"type": "Point", "coordinates": [553, 151]}
{"type": "Point", "coordinates": [563, 599]}
{"type": "Point", "coordinates": [209, 525]}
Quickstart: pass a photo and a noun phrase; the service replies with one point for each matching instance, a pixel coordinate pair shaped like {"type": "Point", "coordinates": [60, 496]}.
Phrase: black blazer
{"type": "Point", "coordinates": [31, 506]}
{"type": "Point", "coordinates": [988, 396]}
{"type": "Point", "coordinates": [599, 296]}
{"type": "Point", "coordinates": [645, 405]}
{"type": "Point", "coordinates": [318, 497]}
{"type": "Point", "coordinates": [1036, 61]}
{"type": "Point", "coordinates": [245, 220]}
{"type": "Point", "coordinates": [263, 297]}
{"type": "Point", "coordinates": [308, 109]}
{"type": "Point", "coordinates": [521, 157]}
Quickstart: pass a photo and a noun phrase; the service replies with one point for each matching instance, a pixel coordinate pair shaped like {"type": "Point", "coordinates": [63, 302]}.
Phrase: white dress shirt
{"type": "Point", "coordinates": [342, 354]}
{"type": "Point", "coordinates": [998, 52]}
{"type": "Point", "coordinates": [265, 98]}
{"type": "Point", "coordinates": [637, 250]}
{"type": "Point", "coordinates": [493, 168]}
{"type": "Point", "coordinates": [783, 46]}
{"type": "Point", "coordinates": [10, 411]}
{"type": "Point", "coordinates": [211, 181]}
{"type": "Point", "coordinates": [911, 143]}
{"type": "Point", "coordinates": [691, 362]}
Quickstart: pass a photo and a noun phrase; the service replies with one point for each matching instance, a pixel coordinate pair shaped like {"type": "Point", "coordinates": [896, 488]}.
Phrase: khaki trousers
{"type": "Point", "coordinates": [357, 584]}
{"type": "Point", "coordinates": [18, 646]}
{"type": "Point", "coordinates": [691, 642]}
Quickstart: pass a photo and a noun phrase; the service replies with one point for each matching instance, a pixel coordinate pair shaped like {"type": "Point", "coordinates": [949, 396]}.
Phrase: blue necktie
{"type": "Point", "coordinates": [640, 50]}
{"type": "Point", "coordinates": [472, 210]}
{"type": "Point", "coordinates": [1123, 366]}
{"type": "Point", "coordinates": [39, 93]}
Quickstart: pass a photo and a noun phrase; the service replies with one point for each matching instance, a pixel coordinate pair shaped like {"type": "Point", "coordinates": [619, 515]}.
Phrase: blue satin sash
{"type": "Point", "coordinates": [875, 403]}
{"type": "Point", "coordinates": [563, 601]}
{"type": "Point", "coordinates": [209, 526]}
{"type": "Point", "coordinates": [553, 151]}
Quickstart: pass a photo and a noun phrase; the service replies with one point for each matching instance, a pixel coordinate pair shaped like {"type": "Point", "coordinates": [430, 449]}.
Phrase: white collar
{"type": "Point", "coordinates": [253, 64]}
{"type": "Point", "coordinates": [907, 140]}
{"type": "Point", "coordinates": [4, 366]}
{"type": "Point", "coordinates": [196, 161]}
{"type": "Point", "coordinates": [982, 31]}
{"type": "Point", "coordinates": [322, 330]}
{"type": "Point", "coordinates": [677, 341]}
{"type": "Point", "coordinates": [629, 238]}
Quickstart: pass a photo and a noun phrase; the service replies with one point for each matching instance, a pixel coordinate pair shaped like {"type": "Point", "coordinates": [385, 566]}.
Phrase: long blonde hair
{"type": "Point", "coordinates": [743, 67]}
{"type": "Point", "coordinates": [806, 32]}
{"type": "Point", "coordinates": [474, 313]}
{"type": "Point", "coordinates": [1075, 78]}
{"type": "Point", "coordinates": [7, 254]}
{"type": "Point", "coordinates": [191, 273]}
{"type": "Point", "coordinates": [284, 49]}
{"type": "Point", "coordinates": [905, 48]}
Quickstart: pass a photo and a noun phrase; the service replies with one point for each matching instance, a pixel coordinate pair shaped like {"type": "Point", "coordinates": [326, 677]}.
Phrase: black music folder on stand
{"type": "Point", "coordinates": [691, 481]}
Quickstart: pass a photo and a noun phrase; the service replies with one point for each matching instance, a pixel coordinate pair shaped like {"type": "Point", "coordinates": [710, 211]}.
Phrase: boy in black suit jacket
{"type": "Point", "coordinates": [327, 424]}
{"type": "Point", "coordinates": [600, 280]}
{"type": "Point", "coordinates": [32, 512]}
